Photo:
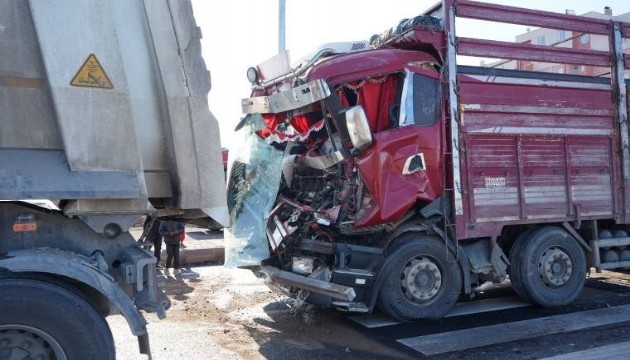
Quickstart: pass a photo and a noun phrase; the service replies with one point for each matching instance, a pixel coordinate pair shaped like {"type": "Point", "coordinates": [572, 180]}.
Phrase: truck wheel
{"type": "Point", "coordinates": [515, 279]}
{"type": "Point", "coordinates": [549, 266]}
{"type": "Point", "coordinates": [40, 320]}
{"type": "Point", "coordinates": [421, 284]}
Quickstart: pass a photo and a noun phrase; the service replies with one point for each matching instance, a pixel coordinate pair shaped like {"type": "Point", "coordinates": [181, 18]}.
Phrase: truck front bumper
{"type": "Point", "coordinates": [277, 278]}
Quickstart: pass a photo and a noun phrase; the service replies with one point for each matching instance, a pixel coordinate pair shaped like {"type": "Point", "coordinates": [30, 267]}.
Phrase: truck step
{"type": "Point", "coordinates": [354, 272]}
{"type": "Point", "coordinates": [353, 277]}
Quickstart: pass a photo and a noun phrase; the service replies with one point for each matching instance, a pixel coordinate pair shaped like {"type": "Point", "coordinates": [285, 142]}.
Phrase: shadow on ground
{"type": "Point", "coordinates": [311, 332]}
{"type": "Point", "coordinates": [174, 285]}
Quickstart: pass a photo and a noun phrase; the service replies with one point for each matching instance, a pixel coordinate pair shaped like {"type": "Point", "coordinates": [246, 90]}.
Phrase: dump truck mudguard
{"type": "Point", "coordinates": [80, 268]}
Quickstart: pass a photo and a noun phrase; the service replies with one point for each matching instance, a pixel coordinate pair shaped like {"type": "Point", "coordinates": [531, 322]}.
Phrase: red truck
{"type": "Point", "coordinates": [385, 174]}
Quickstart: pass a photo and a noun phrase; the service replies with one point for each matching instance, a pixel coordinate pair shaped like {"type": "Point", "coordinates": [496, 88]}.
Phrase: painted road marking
{"type": "Point", "coordinates": [617, 351]}
{"type": "Point", "coordinates": [519, 330]}
{"type": "Point", "coordinates": [482, 306]}
{"type": "Point", "coordinates": [371, 321]}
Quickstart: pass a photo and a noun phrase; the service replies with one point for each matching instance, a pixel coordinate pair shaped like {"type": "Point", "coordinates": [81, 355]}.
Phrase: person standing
{"type": "Point", "coordinates": [171, 231]}
{"type": "Point", "coordinates": [152, 231]}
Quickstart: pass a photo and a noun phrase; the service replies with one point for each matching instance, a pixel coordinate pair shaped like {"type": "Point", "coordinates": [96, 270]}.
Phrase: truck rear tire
{"type": "Point", "coordinates": [515, 279]}
{"type": "Point", "coordinates": [43, 320]}
{"type": "Point", "coordinates": [549, 266]}
{"type": "Point", "coordinates": [421, 284]}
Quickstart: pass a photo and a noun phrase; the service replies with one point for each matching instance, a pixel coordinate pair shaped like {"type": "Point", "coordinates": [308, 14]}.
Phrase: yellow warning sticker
{"type": "Point", "coordinates": [91, 74]}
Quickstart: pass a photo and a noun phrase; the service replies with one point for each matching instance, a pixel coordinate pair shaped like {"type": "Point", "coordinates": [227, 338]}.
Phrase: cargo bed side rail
{"type": "Point", "coordinates": [613, 59]}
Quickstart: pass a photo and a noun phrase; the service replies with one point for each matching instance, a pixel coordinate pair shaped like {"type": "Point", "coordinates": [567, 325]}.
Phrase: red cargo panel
{"type": "Point", "coordinates": [493, 176]}
{"type": "Point", "coordinates": [590, 175]}
{"type": "Point", "coordinates": [536, 151]}
{"type": "Point", "coordinates": [543, 161]}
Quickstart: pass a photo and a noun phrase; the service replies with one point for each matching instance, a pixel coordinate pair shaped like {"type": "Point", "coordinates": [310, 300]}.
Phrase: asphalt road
{"type": "Point", "coordinates": [224, 313]}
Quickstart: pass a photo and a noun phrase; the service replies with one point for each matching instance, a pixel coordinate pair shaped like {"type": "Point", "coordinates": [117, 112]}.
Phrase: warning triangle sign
{"type": "Point", "coordinates": [91, 74]}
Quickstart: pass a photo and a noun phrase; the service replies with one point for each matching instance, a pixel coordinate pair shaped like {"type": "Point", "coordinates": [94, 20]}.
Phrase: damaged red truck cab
{"type": "Point", "coordinates": [403, 180]}
{"type": "Point", "coordinates": [393, 189]}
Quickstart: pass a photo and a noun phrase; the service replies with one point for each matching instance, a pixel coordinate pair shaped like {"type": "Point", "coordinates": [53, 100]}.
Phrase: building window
{"type": "Point", "coordinates": [578, 69]}
{"type": "Point", "coordinates": [561, 35]}
{"type": "Point", "coordinates": [540, 40]}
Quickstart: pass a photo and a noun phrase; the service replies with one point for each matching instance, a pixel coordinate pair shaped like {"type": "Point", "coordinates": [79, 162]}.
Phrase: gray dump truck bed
{"type": "Point", "coordinates": [103, 109]}
{"type": "Point", "coordinates": [103, 105]}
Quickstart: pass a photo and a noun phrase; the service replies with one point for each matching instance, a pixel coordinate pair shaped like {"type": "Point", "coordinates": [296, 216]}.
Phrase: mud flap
{"type": "Point", "coordinates": [144, 346]}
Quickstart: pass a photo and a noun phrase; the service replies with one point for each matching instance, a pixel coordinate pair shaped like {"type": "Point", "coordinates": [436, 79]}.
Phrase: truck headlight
{"type": "Point", "coordinates": [302, 265]}
{"type": "Point", "coordinates": [252, 75]}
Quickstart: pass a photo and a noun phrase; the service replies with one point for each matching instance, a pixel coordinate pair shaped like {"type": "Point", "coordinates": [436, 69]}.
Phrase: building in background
{"type": "Point", "coordinates": [568, 39]}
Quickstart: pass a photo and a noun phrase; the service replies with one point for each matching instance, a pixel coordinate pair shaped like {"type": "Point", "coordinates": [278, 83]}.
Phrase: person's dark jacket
{"type": "Point", "coordinates": [171, 230]}
{"type": "Point", "coordinates": [153, 233]}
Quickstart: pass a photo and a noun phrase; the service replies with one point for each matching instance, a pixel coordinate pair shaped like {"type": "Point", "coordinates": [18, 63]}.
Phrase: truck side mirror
{"type": "Point", "coordinates": [358, 127]}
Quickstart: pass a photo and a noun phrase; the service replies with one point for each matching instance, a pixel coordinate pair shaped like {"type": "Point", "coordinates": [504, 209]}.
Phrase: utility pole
{"type": "Point", "coordinates": [281, 18]}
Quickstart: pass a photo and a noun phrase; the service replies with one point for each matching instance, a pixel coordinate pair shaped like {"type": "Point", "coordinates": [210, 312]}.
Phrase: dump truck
{"type": "Point", "coordinates": [390, 176]}
{"type": "Point", "coordinates": [103, 111]}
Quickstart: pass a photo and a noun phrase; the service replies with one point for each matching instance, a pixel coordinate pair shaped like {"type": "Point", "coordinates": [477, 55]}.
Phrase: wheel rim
{"type": "Point", "coordinates": [555, 267]}
{"type": "Point", "coordinates": [421, 279]}
{"type": "Point", "coordinates": [26, 342]}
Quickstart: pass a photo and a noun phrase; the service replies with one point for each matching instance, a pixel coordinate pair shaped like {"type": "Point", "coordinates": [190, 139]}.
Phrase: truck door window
{"type": "Point", "coordinates": [377, 95]}
{"type": "Point", "coordinates": [421, 100]}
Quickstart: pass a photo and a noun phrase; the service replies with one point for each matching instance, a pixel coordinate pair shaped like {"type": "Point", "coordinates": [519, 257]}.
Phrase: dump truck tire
{"type": "Point", "coordinates": [43, 320]}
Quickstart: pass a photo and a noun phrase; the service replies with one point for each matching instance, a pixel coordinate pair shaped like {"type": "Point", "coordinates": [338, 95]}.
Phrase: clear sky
{"type": "Point", "coordinates": [238, 34]}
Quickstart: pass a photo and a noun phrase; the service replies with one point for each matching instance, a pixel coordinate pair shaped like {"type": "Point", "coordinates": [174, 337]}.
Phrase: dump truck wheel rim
{"type": "Point", "coordinates": [26, 342]}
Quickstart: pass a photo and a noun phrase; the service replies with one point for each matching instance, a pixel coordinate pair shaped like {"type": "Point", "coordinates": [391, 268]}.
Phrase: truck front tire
{"type": "Point", "coordinates": [42, 319]}
{"type": "Point", "coordinates": [549, 266]}
{"type": "Point", "coordinates": [422, 283]}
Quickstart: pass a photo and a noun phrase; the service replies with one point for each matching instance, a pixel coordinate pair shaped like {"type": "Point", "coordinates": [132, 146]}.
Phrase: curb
{"type": "Point", "coordinates": [201, 247]}
{"type": "Point", "coordinates": [198, 256]}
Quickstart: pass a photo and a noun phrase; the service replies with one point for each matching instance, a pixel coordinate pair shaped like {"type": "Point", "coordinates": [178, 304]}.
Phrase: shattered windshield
{"type": "Point", "coordinates": [255, 174]}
